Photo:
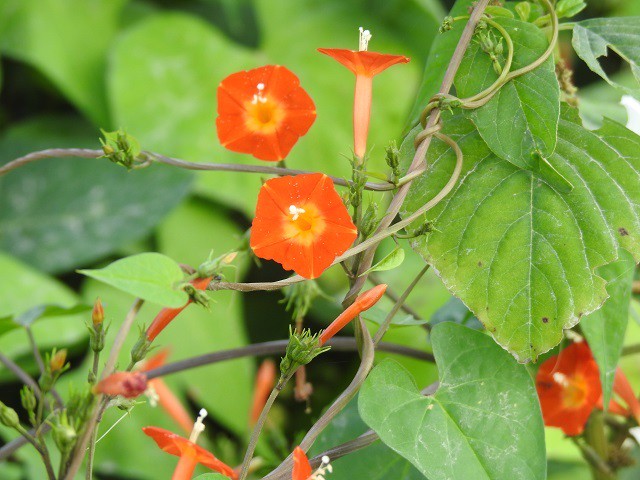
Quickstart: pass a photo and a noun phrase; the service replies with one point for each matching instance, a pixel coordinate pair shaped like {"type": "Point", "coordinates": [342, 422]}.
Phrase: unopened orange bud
{"type": "Point", "coordinates": [97, 315]}
{"type": "Point", "coordinates": [363, 302]}
{"type": "Point", "coordinates": [265, 380]}
{"type": "Point", "coordinates": [127, 384]}
{"type": "Point", "coordinates": [58, 359]}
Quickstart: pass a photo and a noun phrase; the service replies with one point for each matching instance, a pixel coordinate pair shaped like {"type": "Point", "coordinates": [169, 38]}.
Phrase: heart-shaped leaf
{"type": "Point", "coordinates": [484, 419]}
{"type": "Point", "coordinates": [151, 276]}
{"type": "Point", "coordinates": [605, 328]}
{"type": "Point", "coordinates": [520, 254]}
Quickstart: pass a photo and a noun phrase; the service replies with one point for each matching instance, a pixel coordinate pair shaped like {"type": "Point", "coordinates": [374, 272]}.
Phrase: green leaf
{"type": "Point", "coordinates": [375, 462]}
{"type": "Point", "coordinates": [481, 422]}
{"type": "Point", "coordinates": [521, 255]}
{"type": "Point", "coordinates": [23, 288]}
{"type": "Point", "coordinates": [26, 319]}
{"type": "Point", "coordinates": [439, 56]}
{"type": "Point", "coordinates": [151, 276]}
{"type": "Point", "coordinates": [389, 262]}
{"type": "Point", "coordinates": [63, 213]}
{"type": "Point", "coordinates": [591, 38]}
{"type": "Point", "coordinates": [605, 328]}
{"type": "Point", "coordinates": [569, 8]}
{"type": "Point", "coordinates": [378, 315]}
{"type": "Point", "coordinates": [455, 311]}
{"type": "Point", "coordinates": [522, 118]}
{"type": "Point", "coordinates": [45, 32]}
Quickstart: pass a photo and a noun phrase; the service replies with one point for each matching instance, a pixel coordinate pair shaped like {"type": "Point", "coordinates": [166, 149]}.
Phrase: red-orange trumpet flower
{"type": "Point", "coordinates": [263, 112]}
{"type": "Point", "coordinates": [163, 394]}
{"type": "Point", "coordinates": [189, 453]}
{"type": "Point", "coordinates": [365, 65]}
{"type": "Point", "coordinates": [568, 387]}
{"type": "Point", "coordinates": [301, 223]}
{"type": "Point", "coordinates": [265, 381]}
{"type": "Point", "coordinates": [363, 302]}
{"type": "Point", "coordinates": [167, 314]}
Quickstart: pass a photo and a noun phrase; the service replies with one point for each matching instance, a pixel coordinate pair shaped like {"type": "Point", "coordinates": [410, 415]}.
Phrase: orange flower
{"type": "Point", "coordinates": [301, 466]}
{"type": "Point", "coordinates": [166, 398]}
{"type": "Point", "coordinates": [265, 380]}
{"type": "Point", "coordinates": [568, 386]}
{"type": "Point", "coordinates": [167, 314]}
{"type": "Point", "coordinates": [190, 454]}
{"type": "Point", "coordinates": [301, 223]}
{"type": "Point", "coordinates": [365, 65]}
{"type": "Point", "coordinates": [127, 384]}
{"type": "Point", "coordinates": [363, 302]}
{"type": "Point", "coordinates": [263, 112]}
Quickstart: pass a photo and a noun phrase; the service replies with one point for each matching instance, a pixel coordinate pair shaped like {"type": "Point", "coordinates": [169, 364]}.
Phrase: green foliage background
{"type": "Point", "coordinates": [70, 67]}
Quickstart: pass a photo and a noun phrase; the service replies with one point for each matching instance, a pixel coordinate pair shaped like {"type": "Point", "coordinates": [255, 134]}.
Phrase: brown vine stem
{"type": "Point", "coordinates": [79, 451]}
{"type": "Point", "coordinates": [176, 162]}
{"type": "Point", "coordinates": [22, 375]}
{"type": "Point", "coordinates": [420, 155]}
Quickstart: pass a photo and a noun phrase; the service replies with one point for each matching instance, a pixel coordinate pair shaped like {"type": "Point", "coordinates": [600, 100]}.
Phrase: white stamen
{"type": "Point", "coordinates": [295, 212]}
{"type": "Point", "coordinates": [561, 379]}
{"type": "Point", "coordinates": [324, 468]}
{"type": "Point", "coordinates": [258, 96]}
{"type": "Point", "coordinates": [365, 36]}
{"type": "Point", "coordinates": [198, 427]}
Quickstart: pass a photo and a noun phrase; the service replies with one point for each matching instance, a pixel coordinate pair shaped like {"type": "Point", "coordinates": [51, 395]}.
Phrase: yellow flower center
{"type": "Point", "coordinates": [304, 224]}
{"type": "Point", "coordinates": [574, 390]}
{"type": "Point", "coordinates": [263, 114]}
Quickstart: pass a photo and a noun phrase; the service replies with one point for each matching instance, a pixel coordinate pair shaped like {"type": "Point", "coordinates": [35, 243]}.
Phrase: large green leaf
{"type": "Point", "coordinates": [605, 328]}
{"type": "Point", "coordinates": [592, 37]}
{"type": "Point", "coordinates": [151, 276]}
{"type": "Point", "coordinates": [484, 419]}
{"type": "Point", "coordinates": [375, 462]}
{"type": "Point", "coordinates": [23, 288]}
{"type": "Point", "coordinates": [67, 41]}
{"type": "Point", "coordinates": [521, 255]}
{"type": "Point", "coordinates": [522, 117]}
{"type": "Point", "coordinates": [59, 214]}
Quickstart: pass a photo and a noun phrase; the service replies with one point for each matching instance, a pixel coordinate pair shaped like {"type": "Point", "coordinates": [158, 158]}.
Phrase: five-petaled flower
{"type": "Point", "coordinates": [301, 223]}
{"type": "Point", "coordinates": [190, 454]}
{"type": "Point", "coordinates": [365, 65]}
{"type": "Point", "coordinates": [263, 112]}
{"type": "Point", "coordinates": [569, 388]}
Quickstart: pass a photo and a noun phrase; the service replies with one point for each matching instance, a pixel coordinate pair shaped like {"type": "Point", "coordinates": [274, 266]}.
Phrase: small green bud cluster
{"type": "Point", "coordinates": [121, 148]}
{"type": "Point", "coordinates": [64, 433]}
{"type": "Point", "coordinates": [490, 44]}
{"type": "Point", "coordinates": [299, 297]}
{"type": "Point", "coordinates": [302, 348]}
{"type": "Point", "coordinates": [369, 220]}
{"type": "Point", "coordinates": [392, 158]}
{"type": "Point", "coordinates": [447, 24]}
{"type": "Point", "coordinates": [358, 182]}
{"type": "Point", "coordinates": [141, 348]}
{"type": "Point", "coordinates": [29, 402]}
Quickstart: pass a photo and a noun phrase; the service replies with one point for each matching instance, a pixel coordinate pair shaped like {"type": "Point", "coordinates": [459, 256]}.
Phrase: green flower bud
{"type": "Point", "coordinates": [302, 348]}
{"type": "Point", "coordinates": [8, 416]}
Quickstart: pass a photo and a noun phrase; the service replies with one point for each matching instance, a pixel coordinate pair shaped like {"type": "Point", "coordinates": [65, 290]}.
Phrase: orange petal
{"type": "Point", "coordinates": [172, 404]}
{"type": "Point", "coordinates": [291, 112]}
{"type": "Point", "coordinates": [301, 466]}
{"type": "Point", "coordinates": [265, 380]}
{"type": "Point", "coordinates": [364, 62]}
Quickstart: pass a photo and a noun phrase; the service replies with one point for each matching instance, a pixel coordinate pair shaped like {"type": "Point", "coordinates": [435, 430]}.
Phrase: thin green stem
{"type": "Point", "coordinates": [396, 307]}
{"type": "Point", "coordinates": [44, 453]}
{"type": "Point", "coordinates": [255, 435]}
{"type": "Point", "coordinates": [91, 454]}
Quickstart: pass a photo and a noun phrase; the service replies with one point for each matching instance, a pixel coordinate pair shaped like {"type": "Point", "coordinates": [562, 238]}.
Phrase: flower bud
{"type": "Point", "coordinates": [58, 360]}
{"type": "Point", "coordinates": [28, 399]}
{"type": "Point", "coordinates": [127, 384]}
{"type": "Point", "coordinates": [8, 416]}
{"type": "Point", "coordinates": [64, 435]}
{"type": "Point", "coordinates": [302, 348]}
{"type": "Point", "coordinates": [97, 315]}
